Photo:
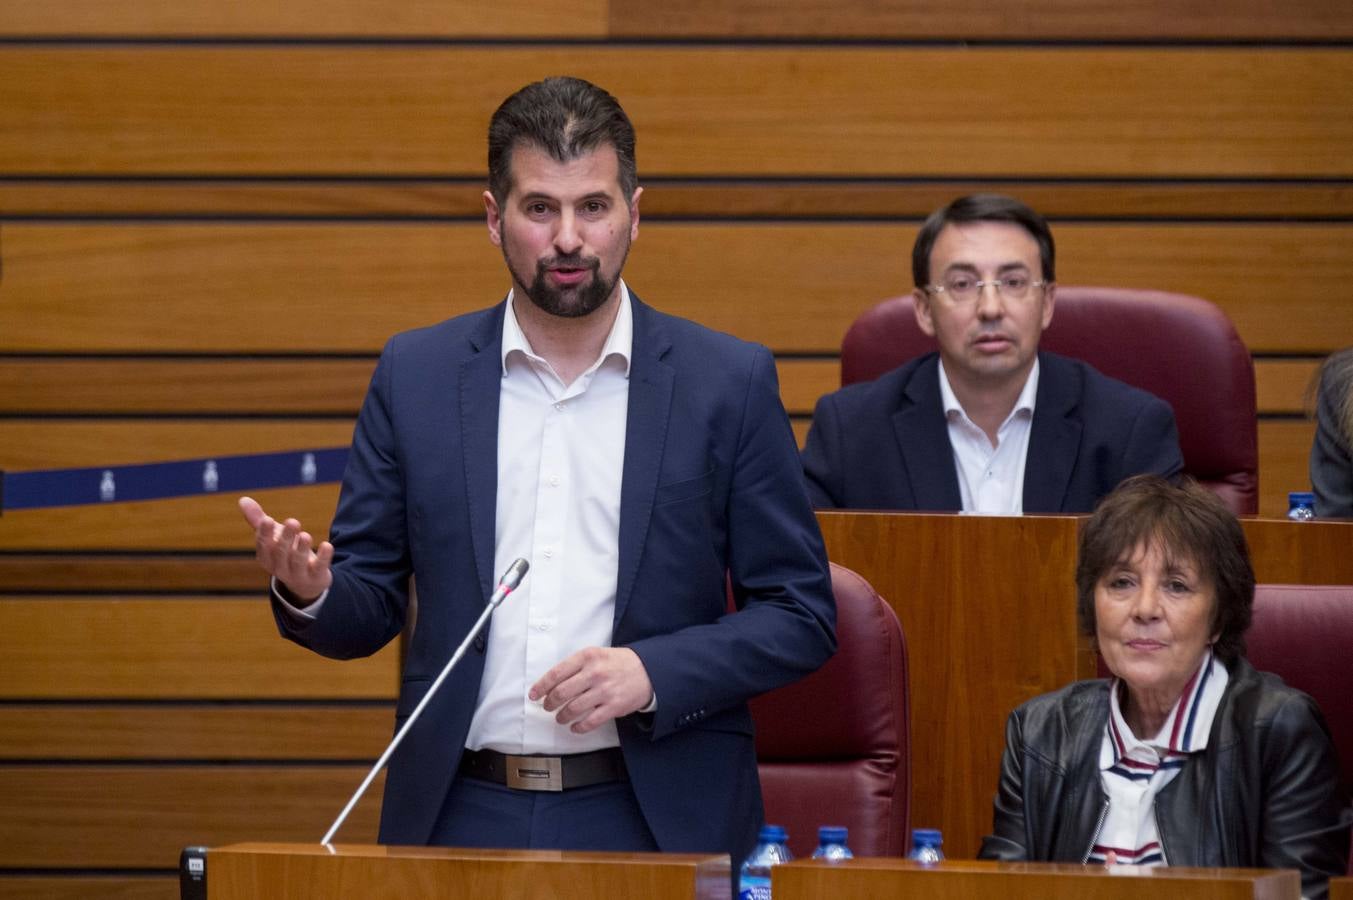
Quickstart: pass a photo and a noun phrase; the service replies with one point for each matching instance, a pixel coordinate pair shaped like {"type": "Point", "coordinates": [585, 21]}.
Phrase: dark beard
{"type": "Point", "coordinates": [569, 303]}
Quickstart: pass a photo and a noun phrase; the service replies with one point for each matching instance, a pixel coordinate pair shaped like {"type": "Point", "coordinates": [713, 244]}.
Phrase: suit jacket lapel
{"type": "Point", "coordinates": [480, 383]}
{"type": "Point", "coordinates": [1054, 436]}
{"type": "Point", "coordinates": [650, 400]}
{"type": "Point", "coordinates": [923, 437]}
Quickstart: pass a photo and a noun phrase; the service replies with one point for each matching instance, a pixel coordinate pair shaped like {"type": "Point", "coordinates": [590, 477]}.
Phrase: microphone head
{"type": "Point", "coordinates": [514, 574]}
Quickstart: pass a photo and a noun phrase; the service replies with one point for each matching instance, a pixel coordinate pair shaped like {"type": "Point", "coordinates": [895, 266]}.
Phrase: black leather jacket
{"type": "Point", "coordinates": [1264, 793]}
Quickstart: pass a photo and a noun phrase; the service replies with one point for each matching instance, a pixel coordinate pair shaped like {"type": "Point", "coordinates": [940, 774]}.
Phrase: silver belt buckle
{"type": "Point", "coordinates": [535, 773]}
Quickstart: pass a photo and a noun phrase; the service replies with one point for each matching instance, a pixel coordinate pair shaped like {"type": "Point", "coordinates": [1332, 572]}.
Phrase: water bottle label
{"type": "Point", "coordinates": [754, 887]}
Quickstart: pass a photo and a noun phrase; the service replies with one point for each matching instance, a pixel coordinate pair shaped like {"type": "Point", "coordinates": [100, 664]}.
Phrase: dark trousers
{"type": "Point", "coordinates": [600, 817]}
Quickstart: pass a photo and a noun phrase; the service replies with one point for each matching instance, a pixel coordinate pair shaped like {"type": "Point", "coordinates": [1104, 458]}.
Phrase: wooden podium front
{"type": "Point", "coordinates": [367, 872]}
{"type": "Point", "coordinates": [988, 606]}
{"type": "Point", "coordinates": [865, 879]}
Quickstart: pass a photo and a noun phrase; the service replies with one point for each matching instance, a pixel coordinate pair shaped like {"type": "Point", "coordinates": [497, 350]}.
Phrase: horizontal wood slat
{"type": "Point", "coordinates": [82, 887]}
{"type": "Point", "coordinates": [44, 386]}
{"type": "Point", "coordinates": [311, 18]}
{"type": "Point", "coordinates": [169, 731]}
{"type": "Point", "coordinates": [59, 444]}
{"type": "Point", "coordinates": [211, 522]}
{"type": "Point", "coordinates": [76, 386]}
{"type": "Point", "coordinates": [345, 288]}
{"type": "Point", "coordinates": [422, 111]}
{"type": "Point", "coordinates": [676, 198]}
{"type": "Point", "coordinates": [142, 816]}
{"type": "Point", "coordinates": [725, 19]}
{"type": "Point", "coordinates": [171, 648]}
{"type": "Point", "coordinates": [983, 19]}
{"type": "Point", "coordinates": [25, 573]}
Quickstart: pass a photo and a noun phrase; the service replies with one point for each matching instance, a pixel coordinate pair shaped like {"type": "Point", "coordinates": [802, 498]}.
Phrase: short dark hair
{"type": "Point", "coordinates": [1187, 522]}
{"type": "Point", "coordinates": [565, 117]}
{"type": "Point", "coordinates": [982, 208]}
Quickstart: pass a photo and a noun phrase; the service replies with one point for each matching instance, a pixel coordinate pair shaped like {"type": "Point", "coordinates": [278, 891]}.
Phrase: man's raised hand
{"type": "Point", "coordinates": [287, 553]}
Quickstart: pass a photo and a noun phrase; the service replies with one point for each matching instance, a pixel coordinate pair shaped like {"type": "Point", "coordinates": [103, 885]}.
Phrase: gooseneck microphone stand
{"type": "Point", "coordinates": [506, 585]}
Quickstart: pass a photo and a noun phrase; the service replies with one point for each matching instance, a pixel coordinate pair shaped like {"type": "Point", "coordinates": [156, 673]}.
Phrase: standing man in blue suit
{"type": "Point", "coordinates": [988, 424]}
{"type": "Point", "coordinates": [638, 461]}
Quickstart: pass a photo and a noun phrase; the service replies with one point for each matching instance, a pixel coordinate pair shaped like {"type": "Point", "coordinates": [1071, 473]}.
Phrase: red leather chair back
{"type": "Point", "coordinates": [1304, 634]}
{"type": "Point", "coordinates": [1180, 348]}
{"type": "Point", "coordinates": [835, 748]}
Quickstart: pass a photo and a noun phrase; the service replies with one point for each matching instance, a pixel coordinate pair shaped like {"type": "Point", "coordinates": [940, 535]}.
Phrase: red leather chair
{"type": "Point", "coordinates": [835, 748]}
{"type": "Point", "coordinates": [1180, 348]}
{"type": "Point", "coordinates": [1304, 634]}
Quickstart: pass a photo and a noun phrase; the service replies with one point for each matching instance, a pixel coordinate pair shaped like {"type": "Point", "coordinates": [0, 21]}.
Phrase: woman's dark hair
{"type": "Point", "coordinates": [1187, 523]}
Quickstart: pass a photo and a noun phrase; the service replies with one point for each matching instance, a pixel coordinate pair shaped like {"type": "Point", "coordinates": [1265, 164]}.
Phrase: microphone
{"type": "Point", "coordinates": [506, 585]}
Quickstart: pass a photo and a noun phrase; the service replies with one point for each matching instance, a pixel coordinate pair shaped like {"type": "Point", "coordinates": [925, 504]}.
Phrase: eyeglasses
{"type": "Point", "coordinates": [960, 288]}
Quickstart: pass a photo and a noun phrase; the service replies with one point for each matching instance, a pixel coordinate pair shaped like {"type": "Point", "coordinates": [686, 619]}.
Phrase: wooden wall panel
{"type": "Point", "coordinates": [171, 648]}
{"type": "Point", "coordinates": [422, 111]}
{"type": "Point", "coordinates": [984, 19]}
{"type": "Point", "coordinates": [198, 731]}
{"type": "Point", "coordinates": [142, 816]}
{"type": "Point", "coordinates": [314, 18]}
{"type": "Point", "coordinates": [347, 287]}
{"type": "Point", "coordinates": [1284, 462]}
{"type": "Point", "coordinates": [1281, 385]}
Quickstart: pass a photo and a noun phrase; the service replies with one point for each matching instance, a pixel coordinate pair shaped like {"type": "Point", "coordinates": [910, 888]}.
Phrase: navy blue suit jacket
{"type": "Point", "coordinates": [884, 444]}
{"type": "Point", "coordinates": [711, 488]}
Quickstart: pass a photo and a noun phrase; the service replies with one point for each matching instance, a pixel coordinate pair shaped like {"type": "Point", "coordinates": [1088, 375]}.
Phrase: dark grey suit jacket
{"type": "Point", "coordinates": [884, 444]}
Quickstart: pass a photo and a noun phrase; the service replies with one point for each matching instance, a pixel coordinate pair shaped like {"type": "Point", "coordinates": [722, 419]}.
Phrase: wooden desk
{"type": "Point", "coordinates": [367, 872]}
{"type": "Point", "coordinates": [988, 607]}
{"type": "Point", "coordinates": [954, 880]}
{"type": "Point", "coordinates": [1341, 889]}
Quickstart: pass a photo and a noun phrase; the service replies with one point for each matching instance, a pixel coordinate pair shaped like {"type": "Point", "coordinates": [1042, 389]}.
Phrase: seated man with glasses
{"type": "Point", "coordinates": [988, 424]}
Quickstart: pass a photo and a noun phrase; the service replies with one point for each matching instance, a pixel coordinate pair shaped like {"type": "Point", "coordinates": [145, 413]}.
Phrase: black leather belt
{"type": "Point", "coordinates": [545, 773]}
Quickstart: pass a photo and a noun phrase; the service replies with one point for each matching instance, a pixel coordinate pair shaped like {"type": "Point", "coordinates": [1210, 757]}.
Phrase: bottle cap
{"type": "Point", "coordinates": [832, 834]}
{"type": "Point", "coordinates": [929, 837]}
{"type": "Point", "coordinates": [1300, 498]}
{"type": "Point", "coordinates": [772, 834]}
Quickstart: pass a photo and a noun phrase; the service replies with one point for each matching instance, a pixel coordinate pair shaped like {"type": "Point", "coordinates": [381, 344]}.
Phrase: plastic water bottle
{"type": "Point", "coordinates": [925, 845]}
{"type": "Point", "coordinates": [831, 844]}
{"type": "Point", "coordinates": [771, 850]}
{"type": "Point", "coordinates": [1301, 506]}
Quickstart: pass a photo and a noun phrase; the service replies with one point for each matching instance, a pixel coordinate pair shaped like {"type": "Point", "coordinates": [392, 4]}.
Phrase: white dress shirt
{"type": "Point", "coordinates": [561, 451]}
{"type": "Point", "coordinates": [990, 478]}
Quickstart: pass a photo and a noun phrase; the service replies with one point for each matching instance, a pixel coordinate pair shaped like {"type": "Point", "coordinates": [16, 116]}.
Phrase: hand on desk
{"type": "Point", "coordinates": [286, 553]}
{"type": "Point", "coordinates": [593, 686]}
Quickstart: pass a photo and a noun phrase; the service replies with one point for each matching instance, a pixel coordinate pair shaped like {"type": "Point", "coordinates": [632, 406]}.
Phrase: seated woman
{"type": "Point", "coordinates": [1187, 756]}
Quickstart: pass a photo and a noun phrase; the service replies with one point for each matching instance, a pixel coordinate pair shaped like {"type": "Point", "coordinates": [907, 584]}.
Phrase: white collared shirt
{"type": "Point", "coordinates": [1134, 771]}
{"type": "Point", "coordinates": [990, 479]}
{"type": "Point", "coordinates": [561, 452]}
